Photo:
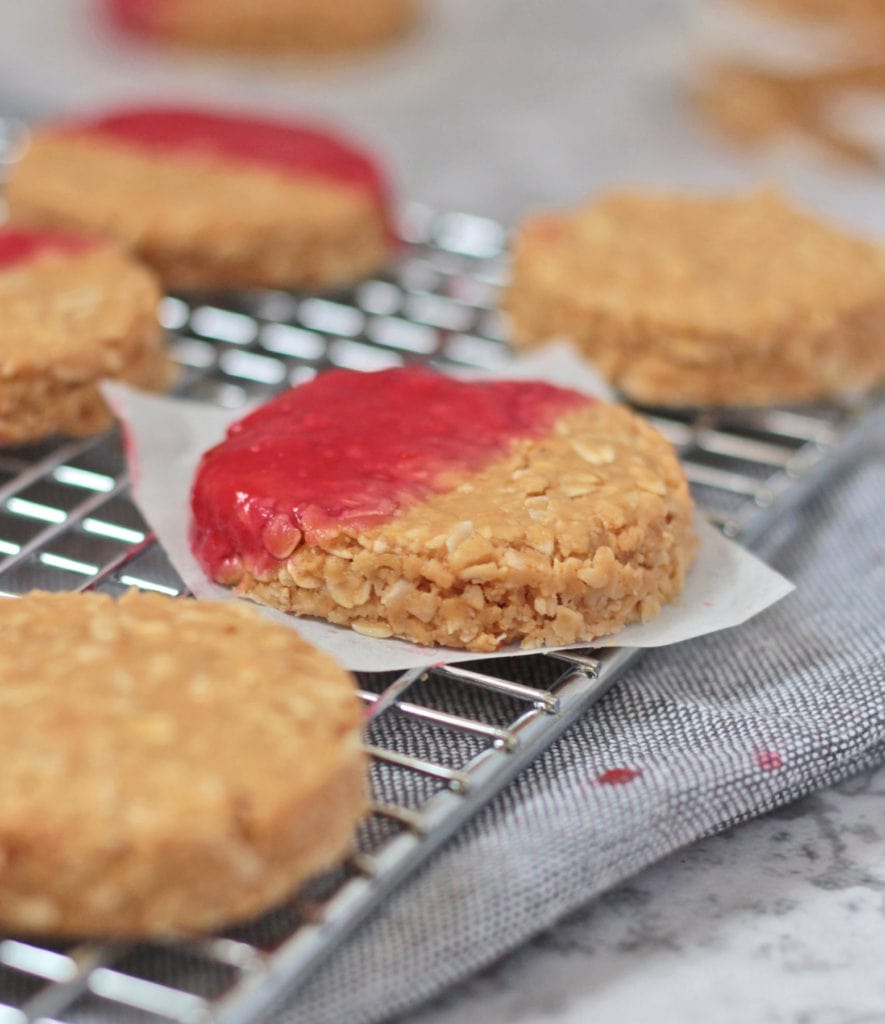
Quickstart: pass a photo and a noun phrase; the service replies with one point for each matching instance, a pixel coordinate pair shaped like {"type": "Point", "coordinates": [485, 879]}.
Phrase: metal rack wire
{"type": "Point", "coordinates": [444, 740]}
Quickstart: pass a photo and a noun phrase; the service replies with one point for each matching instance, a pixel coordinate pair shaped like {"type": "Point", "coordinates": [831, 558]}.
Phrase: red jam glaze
{"type": "Point", "coordinates": [137, 16]}
{"type": "Point", "coordinates": [296, 149]}
{"type": "Point", "coordinates": [21, 245]}
{"type": "Point", "coordinates": [350, 450]}
{"type": "Point", "coordinates": [769, 760]}
{"type": "Point", "coordinates": [618, 776]}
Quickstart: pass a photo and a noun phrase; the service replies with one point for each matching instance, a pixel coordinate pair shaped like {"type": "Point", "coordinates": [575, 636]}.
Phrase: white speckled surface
{"type": "Point", "coordinates": [779, 921]}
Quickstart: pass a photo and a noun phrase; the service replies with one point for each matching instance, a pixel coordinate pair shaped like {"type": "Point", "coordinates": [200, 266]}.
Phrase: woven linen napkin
{"type": "Point", "coordinates": [717, 730]}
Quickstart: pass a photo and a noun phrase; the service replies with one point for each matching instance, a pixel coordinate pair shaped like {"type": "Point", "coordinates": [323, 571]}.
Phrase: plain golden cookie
{"type": "Point", "coordinates": [169, 766]}
{"type": "Point", "coordinates": [681, 300]}
{"type": "Point", "coordinates": [68, 319]}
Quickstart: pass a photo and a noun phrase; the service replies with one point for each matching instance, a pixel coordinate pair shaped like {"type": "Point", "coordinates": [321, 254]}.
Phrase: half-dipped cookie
{"type": "Point", "coordinates": [210, 199]}
{"type": "Point", "coordinates": [467, 514]}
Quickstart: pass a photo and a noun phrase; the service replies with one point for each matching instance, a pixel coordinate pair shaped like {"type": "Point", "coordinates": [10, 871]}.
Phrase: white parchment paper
{"type": "Point", "coordinates": [166, 437]}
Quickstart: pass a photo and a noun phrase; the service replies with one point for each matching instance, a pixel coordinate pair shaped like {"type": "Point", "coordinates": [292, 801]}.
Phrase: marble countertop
{"type": "Point", "coordinates": [778, 921]}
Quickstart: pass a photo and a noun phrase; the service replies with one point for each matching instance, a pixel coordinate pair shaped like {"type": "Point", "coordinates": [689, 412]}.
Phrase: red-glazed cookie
{"type": "Point", "coordinates": [210, 199]}
{"type": "Point", "coordinates": [470, 514]}
{"type": "Point", "coordinates": [301, 26]}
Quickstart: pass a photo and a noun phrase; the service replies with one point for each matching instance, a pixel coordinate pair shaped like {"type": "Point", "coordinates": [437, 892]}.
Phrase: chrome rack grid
{"type": "Point", "coordinates": [443, 740]}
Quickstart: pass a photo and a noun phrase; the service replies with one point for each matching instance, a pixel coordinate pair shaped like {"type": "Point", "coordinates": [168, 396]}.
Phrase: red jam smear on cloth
{"type": "Point", "coordinates": [21, 245]}
{"type": "Point", "coordinates": [288, 147]}
{"type": "Point", "coordinates": [350, 450]}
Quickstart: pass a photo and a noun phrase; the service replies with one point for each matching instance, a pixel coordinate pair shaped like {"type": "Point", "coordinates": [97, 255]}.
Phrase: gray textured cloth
{"type": "Point", "coordinates": [723, 728]}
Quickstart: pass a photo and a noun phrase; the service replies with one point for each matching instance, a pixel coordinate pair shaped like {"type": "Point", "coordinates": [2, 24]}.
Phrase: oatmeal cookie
{"type": "Point", "coordinates": [463, 514]}
{"type": "Point", "coordinates": [680, 300]}
{"type": "Point", "coordinates": [72, 311]}
{"type": "Point", "coordinates": [209, 199]}
{"type": "Point", "coordinates": [169, 766]}
{"type": "Point", "coordinates": [859, 13]}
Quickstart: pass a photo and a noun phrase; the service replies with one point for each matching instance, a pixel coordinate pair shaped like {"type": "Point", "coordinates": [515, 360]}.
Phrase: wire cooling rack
{"type": "Point", "coordinates": [443, 741]}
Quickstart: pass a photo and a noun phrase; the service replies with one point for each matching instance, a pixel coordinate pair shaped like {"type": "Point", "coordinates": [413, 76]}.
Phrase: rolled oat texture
{"type": "Point", "coordinates": [269, 26]}
{"type": "Point", "coordinates": [680, 300]}
{"type": "Point", "coordinates": [566, 538]}
{"type": "Point", "coordinates": [68, 320]}
{"type": "Point", "coordinates": [170, 766]}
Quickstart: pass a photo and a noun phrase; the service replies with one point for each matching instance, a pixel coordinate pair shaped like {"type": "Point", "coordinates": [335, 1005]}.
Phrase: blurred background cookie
{"type": "Point", "coordinates": [73, 310]}
{"type": "Point", "coordinates": [405, 503]}
{"type": "Point", "coordinates": [685, 300]}
{"type": "Point", "coordinates": [198, 761]}
{"type": "Point", "coordinates": [807, 72]}
{"type": "Point", "coordinates": [300, 26]}
{"type": "Point", "coordinates": [210, 199]}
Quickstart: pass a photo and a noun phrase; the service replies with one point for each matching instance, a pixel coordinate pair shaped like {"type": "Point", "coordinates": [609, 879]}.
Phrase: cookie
{"type": "Point", "coordinates": [681, 300]}
{"type": "Point", "coordinates": [405, 503]}
{"type": "Point", "coordinates": [169, 766]}
{"type": "Point", "coordinates": [210, 199]}
{"type": "Point", "coordinates": [805, 73]}
{"type": "Point", "coordinates": [72, 312]}
{"type": "Point", "coordinates": [857, 13]}
{"type": "Point", "coordinates": [302, 26]}
{"type": "Point", "coordinates": [758, 108]}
